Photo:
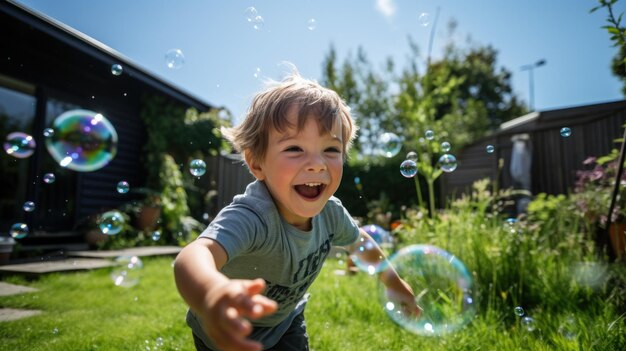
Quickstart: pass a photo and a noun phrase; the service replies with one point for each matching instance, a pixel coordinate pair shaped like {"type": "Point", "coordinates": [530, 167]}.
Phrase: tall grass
{"type": "Point", "coordinates": [547, 264]}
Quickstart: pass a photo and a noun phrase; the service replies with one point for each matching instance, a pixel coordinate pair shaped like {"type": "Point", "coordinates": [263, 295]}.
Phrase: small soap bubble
{"type": "Point", "coordinates": [257, 73]}
{"type": "Point", "coordinates": [311, 24]}
{"type": "Point", "coordinates": [111, 222]}
{"type": "Point", "coordinates": [83, 140]}
{"type": "Point", "coordinates": [159, 341]}
{"type": "Point", "coordinates": [528, 323]}
{"type": "Point", "coordinates": [55, 331]}
{"type": "Point", "coordinates": [443, 288]}
{"type": "Point", "coordinates": [19, 145]}
{"type": "Point", "coordinates": [19, 230]}
{"type": "Point", "coordinates": [408, 168]}
{"type": "Point", "coordinates": [519, 311]}
{"type": "Point", "coordinates": [48, 132]}
{"type": "Point", "coordinates": [116, 69]}
{"type": "Point", "coordinates": [510, 225]}
{"type": "Point", "coordinates": [29, 206]}
{"type": "Point", "coordinates": [424, 19]}
{"type": "Point", "coordinates": [429, 134]}
{"type": "Point", "coordinates": [174, 59]}
{"type": "Point", "coordinates": [565, 132]}
{"type": "Point", "coordinates": [127, 274]}
{"type": "Point", "coordinates": [445, 146]}
{"type": "Point", "coordinates": [49, 178]}
{"type": "Point", "coordinates": [197, 167]}
{"type": "Point", "coordinates": [390, 144]}
{"type": "Point", "coordinates": [412, 155]}
{"type": "Point", "coordinates": [490, 149]}
{"type": "Point", "coordinates": [123, 187]}
{"type": "Point", "coordinates": [367, 256]}
{"type": "Point", "coordinates": [250, 13]}
{"type": "Point", "coordinates": [258, 23]}
{"type": "Point", "coordinates": [156, 235]}
{"type": "Point", "coordinates": [447, 162]}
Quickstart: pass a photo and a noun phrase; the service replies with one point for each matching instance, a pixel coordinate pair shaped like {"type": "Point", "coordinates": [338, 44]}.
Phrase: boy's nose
{"type": "Point", "coordinates": [316, 164]}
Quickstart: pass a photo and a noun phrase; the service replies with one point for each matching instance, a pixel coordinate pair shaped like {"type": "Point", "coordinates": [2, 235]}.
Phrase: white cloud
{"type": "Point", "coordinates": [386, 7]}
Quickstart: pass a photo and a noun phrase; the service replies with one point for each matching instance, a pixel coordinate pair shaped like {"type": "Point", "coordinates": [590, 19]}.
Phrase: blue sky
{"type": "Point", "coordinates": [224, 53]}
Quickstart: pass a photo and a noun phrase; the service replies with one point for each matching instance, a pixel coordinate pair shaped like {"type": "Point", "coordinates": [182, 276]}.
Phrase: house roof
{"type": "Point", "coordinates": [559, 117]}
{"type": "Point", "coordinates": [98, 51]}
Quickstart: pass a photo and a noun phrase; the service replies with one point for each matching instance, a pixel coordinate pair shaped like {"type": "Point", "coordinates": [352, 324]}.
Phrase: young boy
{"type": "Point", "coordinates": [246, 276]}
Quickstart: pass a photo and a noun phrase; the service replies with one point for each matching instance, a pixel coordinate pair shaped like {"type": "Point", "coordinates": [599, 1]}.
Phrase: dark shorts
{"type": "Point", "coordinates": [295, 338]}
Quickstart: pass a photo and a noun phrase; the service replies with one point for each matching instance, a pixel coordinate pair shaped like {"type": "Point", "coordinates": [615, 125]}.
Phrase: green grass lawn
{"type": "Point", "coordinates": [86, 311]}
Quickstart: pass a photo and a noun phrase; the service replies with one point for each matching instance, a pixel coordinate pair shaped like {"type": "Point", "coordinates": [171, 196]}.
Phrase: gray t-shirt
{"type": "Point", "coordinates": [260, 244]}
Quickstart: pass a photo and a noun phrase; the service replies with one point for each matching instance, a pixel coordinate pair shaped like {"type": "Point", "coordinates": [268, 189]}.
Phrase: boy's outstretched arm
{"type": "Point", "coordinates": [397, 289]}
{"type": "Point", "coordinates": [224, 305]}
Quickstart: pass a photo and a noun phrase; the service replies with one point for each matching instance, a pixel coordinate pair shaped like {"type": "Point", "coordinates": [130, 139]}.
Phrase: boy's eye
{"type": "Point", "coordinates": [333, 150]}
{"type": "Point", "coordinates": [293, 149]}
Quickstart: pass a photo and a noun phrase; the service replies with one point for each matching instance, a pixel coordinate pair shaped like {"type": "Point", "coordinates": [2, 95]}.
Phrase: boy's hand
{"type": "Point", "coordinates": [228, 308]}
{"type": "Point", "coordinates": [402, 296]}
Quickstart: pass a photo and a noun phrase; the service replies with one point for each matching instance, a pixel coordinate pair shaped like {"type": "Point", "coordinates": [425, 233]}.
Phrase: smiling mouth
{"type": "Point", "coordinates": [310, 190]}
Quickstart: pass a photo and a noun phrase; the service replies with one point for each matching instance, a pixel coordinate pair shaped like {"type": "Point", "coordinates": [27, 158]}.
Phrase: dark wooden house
{"type": "Point", "coordinates": [46, 68]}
{"type": "Point", "coordinates": [550, 161]}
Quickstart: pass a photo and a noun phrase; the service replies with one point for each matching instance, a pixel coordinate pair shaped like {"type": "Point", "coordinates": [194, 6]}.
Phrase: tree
{"type": "Point", "coordinates": [461, 97]}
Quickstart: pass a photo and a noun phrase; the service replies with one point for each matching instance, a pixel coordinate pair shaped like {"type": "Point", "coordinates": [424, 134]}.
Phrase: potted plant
{"type": "Point", "coordinates": [592, 196]}
{"type": "Point", "coordinates": [148, 210]}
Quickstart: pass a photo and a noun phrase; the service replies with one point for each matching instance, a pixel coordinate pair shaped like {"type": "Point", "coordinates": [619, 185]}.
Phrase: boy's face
{"type": "Point", "coordinates": [302, 170]}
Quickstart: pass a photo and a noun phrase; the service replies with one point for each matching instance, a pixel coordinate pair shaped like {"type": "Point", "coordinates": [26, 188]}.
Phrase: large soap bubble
{"type": "Point", "coordinates": [83, 140]}
{"type": "Point", "coordinates": [20, 145]}
{"type": "Point", "coordinates": [442, 286]}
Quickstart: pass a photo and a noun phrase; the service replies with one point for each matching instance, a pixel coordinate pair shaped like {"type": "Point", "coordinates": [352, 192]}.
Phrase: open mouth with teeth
{"type": "Point", "coordinates": [310, 190]}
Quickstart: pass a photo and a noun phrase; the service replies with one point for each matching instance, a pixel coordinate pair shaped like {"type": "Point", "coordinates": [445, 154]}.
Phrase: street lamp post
{"type": "Point", "coordinates": [531, 85]}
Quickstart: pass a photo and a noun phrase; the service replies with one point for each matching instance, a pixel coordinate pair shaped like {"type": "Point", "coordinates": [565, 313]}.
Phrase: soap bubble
{"type": "Point", "coordinates": [490, 149]}
{"type": "Point", "coordinates": [123, 187]}
{"type": "Point", "coordinates": [19, 230]}
{"type": "Point", "coordinates": [311, 24]}
{"type": "Point", "coordinates": [408, 168]}
{"type": "Point", "coordinates": [510, 225]}
{"type": "Point", "coordinates": [367, 256]}
{"type": "Point", "coordinates": [424, 19]}
{"type": "Point", "coordinates": [258, 23]}
{"type": "Point", "coordinates": [174, 59]}
{"type": "Point", "coordinates": [116, 69]}
{"type": "Point", "coordinates": [19, 145]}
{"type": "Point", "coordinates": [447, 162]}
{"type": "Point", "coordinates": [380, 235]}
{"type": "Point", "coordinates": [445, 146]}
{"type": "Point", "coordinates": [412, 155]}
{"type": "Point", "coordinates": [390, 144]}
{"type": "Point", "coordinates": [429, 134]}
{"type": "Point", "coordinates": [528, 323]}
{"type": "Point", "coordinates": [565, 132]}
{"type": "Point", "coordinates": [519, 311]}
{"type": "Point", "coordinates": [49, 178]}
{"type": "Point", "coordinates": [250, 13]}
{"type": "Point", "coordinates": [83, 140]}
{"type": "Point", "coordinates": [48, 132]}
{"type": "Point", "coordinates": [197, 167]}
{"type": "Point", "coordinates": [156, 235]}
{"type": "Point", "coordinates": [127, 274]}
{"type": "Point", "coordinates": [28, 206]}
{"type": "Point", "coordinates": [442, 286]}
{"type": "Point", "coordinates": [111, 222]}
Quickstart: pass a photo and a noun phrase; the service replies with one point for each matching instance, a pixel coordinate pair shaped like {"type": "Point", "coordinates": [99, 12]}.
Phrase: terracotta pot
{"type": "Point", "coordinates": [147, 218]}
{"type": "Point", "coordinates": [617, 232]}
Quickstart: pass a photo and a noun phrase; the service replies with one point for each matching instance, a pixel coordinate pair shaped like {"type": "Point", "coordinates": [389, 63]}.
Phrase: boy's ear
{"type": "Point", "coordinates": [253, 166]}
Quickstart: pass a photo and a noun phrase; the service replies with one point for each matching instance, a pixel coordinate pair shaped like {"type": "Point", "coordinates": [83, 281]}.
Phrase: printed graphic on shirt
{"type": "Point", "coordinates": [304, 276]}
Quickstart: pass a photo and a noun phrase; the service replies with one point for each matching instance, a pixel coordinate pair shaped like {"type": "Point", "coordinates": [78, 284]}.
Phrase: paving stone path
{"type": "Point", "coordinates": [11, 314]}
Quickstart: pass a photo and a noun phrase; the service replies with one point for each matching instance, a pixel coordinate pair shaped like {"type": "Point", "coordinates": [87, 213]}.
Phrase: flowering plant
{"type": "Point", "coordinates": [594, 187]}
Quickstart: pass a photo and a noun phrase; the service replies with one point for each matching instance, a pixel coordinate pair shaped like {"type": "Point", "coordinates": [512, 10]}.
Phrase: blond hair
{"type": "Point", "coordinates": [269, 109]}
